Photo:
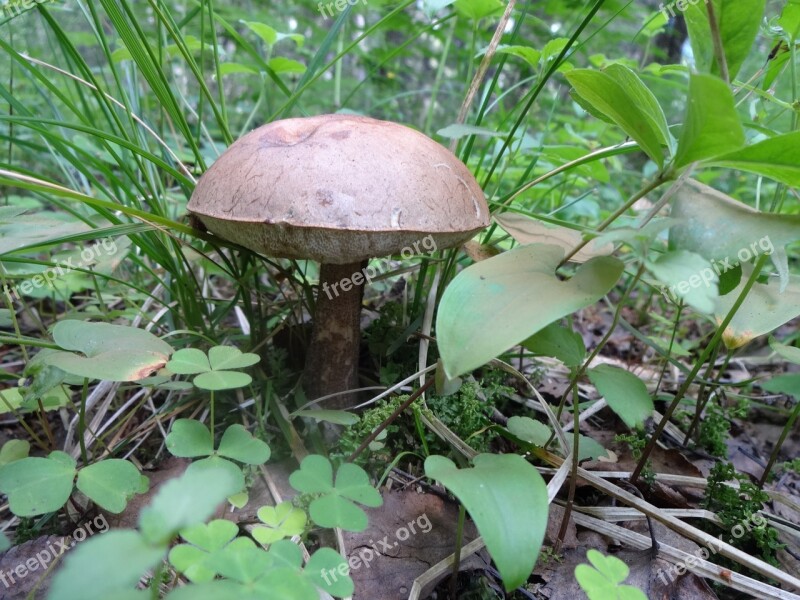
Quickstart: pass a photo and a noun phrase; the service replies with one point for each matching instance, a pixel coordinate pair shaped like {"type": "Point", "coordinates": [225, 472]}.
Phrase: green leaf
{"type": "Point", "coordinates": [13, 450]}
{"type": "Point", "coordinates": [625, 393]}
{"type": "Point", "coordinates": [711, 126]}
{"type": "Point", "coordinates": [193, 558]}
{"type": "Point", "coordinates": [280, 64]}
{"type": "Point", "coordinates": [777, 158]}
{"type": "Point", "coordinates": [507, 498]}
{"type": "Point", "coordinates": [559, 342]}
{"type": "Point", "coordinates": [106, 566]}
{"type": "Point", "coordinates": [335, 508]}
{"type": "Point", "coordinates": [790, 353]}
{"type": "Point", "coordinates": [222, 380]}
{"type": "Point", "coordinates": [282, 521]}
{"type": "Point", "coordinates": [502, 301]}
{"type": "Point", "coordinates": [230, 357]}
{"type": "Point", "coordinates": [214, 463]}
{"type": "Point", "coordinates": [108, 352]}
{"type": "Point", "coordinates": [689, 276]}
{"type": "Point", "coordinates": [110, 483]}
{"type": "Point", "coordinates": [239, 444]}
{"type": "Point", "coordinates": [602, 580]}
{"type": "Point", "coordinates": [789, 20]}
{"type": "Point", "coordinates": [529, 55]}
{"type": "Point", "coordinates": [784, 384]}
{"type": "Point", "coordinates": [262, 30]}
{"type": "Point", "coordinates": [35, 485]}
{"type": "Point", "coordinates": [529, 430]}
{"type": "Point", "coordinates": [457, 131]}
{"type": "Point", "coordinates": [479, 9]}
{"type": "Point", "coordinates": [12, 399]}
{"type": "Point", "coordinates": [764, 310]}
{"type": "Point", "coordinates": [189, 438]}
{"type": "Point", "coordinates": [185, 501]}
{"type": "Point", "coordinates": [327, 561]}
{"type": "Point", "coordinates": [527, 230]}
{"type": "Point", "coordinates": [620, 95]}
{"type": "Point", "coordinates": [738, 22]}
{"type": "Point", "coordinates": [188, 361]}
{"type": "Point", "coordinates": [728, 232]}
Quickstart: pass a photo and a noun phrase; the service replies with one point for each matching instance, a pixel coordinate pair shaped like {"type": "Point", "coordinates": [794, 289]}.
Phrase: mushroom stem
{"type": "Point", "coordinates": [332, 358]}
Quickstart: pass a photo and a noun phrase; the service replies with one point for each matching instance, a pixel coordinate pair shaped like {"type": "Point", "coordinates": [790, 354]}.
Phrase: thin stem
{"type": "Point", "coordinates": [784, 434]}
{"type": "Point", "coordinates": [696, 369]}
{"type": "Point", "coordinates": [457, 554]}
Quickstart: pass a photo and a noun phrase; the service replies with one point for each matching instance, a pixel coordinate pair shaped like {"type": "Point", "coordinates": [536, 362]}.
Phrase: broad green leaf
{"type": "Point", "coordinates": [526, 53]}
{"type": "Point", "coordinates": [777, 158]}
{"type": "Point", "coordinates": [728, 232]}
{"type": "Point", "coordinates": [502, 301]}
{"type": "Point", "coordinates": [14, 450]}
{"type": "Point", "coordinates": [35, 485]}
{"type": "Point", "coordinates": [479, 9]}
{"type": "Point", "coordinates": [764, 310]}
{"type": "Point", "coordinates": [222, 380]}
{"type": "Point", "coordinates": [559, 342]}
{"type": "Point", "coordinates": [335, 507]}
{"type": "Point", "coordinates": [230, 357]}
{"type": "Point", "coordinates": [526, 230]}
{"type": "Point", "coordinates": [189, 438]}
{"type": "Point", "coordinates": [790, 353]}
{"type": "Point", "coordinates": [738, 22]}
{"type": "Point", "coordinates": [326, 561]}
{"type": "Point", "coordinates": [783, 384]}
{"type": "Point", "coordinates": [239, 444]}
{"type": "Point", "coordinates": [5, 543]}
{"type": "Point", "coordinates": [643, 98]}
{"type": "Point", "coordinates": [106, 566]}
{"type": "Point", "coordinates": [108, 352]}
{"type": "Point", "coordinates": [789, 20]}
{"type": "Point", "coordinates": [619, 94]}
{"type": "Point", "coordinates": [507, 498]}
{"type": "Point", "coordinates": [689, 276]}
{"type": "Point", "coordinates": [110, 483]}
{"type": "Point", "coordinates": [214, 463]}
{"type": "Point", "coordinates": [281, 521]}
{"type": "Point", "coordinates": [588, 448]}
{"type": "Point", "coordinates": [527, 429]}
{"type": "Point", "coordinates": [220, 589]}
{"type": "Point", "coordinates": [188, 361]}
{"type": "Point", "coordinates": [185, 501]}
{"type": "Point", "coordinates": [279, 64]}
{"type": "Point", "coordinates": [230, 68]}
{"type": "Point", "coordinates": [264, 31]}
{"type": "Point", "coordinates": [625, 393]}
{"type": "Point", "coordinates": [711, 126]}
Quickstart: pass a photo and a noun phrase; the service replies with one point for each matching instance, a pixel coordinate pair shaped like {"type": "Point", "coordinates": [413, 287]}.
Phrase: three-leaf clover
{"type": "Point", "coordinates": [195, 559]}
{"type": "Point", "coordinates": [335, 506]}
{"type": "Point", "coordinates": [214, 371]}
{"type": "Point", "coordinates": [603, 580]}
{"type": "Point", "coordinates": [191, 439]}
{"type": "Point", "coordinates": [281, 521]}
{"type": "Point", "coordinates": [37, 485]}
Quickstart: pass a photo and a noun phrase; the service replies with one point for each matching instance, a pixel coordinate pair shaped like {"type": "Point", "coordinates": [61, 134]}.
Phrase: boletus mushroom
{"type": "Point", "coordinates": [338, 189]}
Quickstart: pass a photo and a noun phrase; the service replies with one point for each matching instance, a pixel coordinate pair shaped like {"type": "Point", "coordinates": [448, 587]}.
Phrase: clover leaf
{"type": "Point", "coordinates": [281, 521]}
{"type": "Point", "coordinates": [335, 507]}
{"type": "Point", "coordinates": [213, 371]}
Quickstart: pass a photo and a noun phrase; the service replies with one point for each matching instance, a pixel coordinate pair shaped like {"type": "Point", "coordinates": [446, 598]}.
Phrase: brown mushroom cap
{"type": "Point", "coordinates": [338, 189]}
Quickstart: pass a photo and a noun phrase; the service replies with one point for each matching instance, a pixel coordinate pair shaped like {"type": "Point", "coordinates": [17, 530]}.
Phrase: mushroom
{"type": "Point", "coordinates": [338, 189]}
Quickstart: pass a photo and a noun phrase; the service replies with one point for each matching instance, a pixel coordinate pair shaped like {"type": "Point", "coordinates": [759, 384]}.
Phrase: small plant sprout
{"type": "Point", "coordinates": [603, 580]}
